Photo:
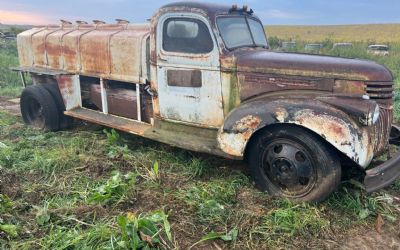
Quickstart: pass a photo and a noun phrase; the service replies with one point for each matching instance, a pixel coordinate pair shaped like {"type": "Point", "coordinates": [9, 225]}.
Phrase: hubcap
{"type": "Point", "coordinates": [289, 167]}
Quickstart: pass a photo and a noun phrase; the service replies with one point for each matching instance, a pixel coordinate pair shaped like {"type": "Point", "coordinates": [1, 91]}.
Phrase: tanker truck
{"type": "Point", "coordinates": [202, 77]}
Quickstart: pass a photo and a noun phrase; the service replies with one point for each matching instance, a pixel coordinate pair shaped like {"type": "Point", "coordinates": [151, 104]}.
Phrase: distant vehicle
{"type": "Point", "coordinates": [313, 48]}
{"type": "Point", "coordinates": [379, 50]}
{"type": "Point", "coordinates": [342, 46]}
{"type": "Point", "coordinates": [8, 36]}
{"type": "Point", "coordinates": [288, 46]}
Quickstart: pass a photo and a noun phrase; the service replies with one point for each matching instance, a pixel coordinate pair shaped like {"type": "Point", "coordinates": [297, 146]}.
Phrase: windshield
{"type": "Point", "coordinates": [241, 31]}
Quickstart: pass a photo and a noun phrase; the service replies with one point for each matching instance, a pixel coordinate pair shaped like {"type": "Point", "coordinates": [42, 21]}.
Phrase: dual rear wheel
{"type": "Point", "coordinates": [42, 107]}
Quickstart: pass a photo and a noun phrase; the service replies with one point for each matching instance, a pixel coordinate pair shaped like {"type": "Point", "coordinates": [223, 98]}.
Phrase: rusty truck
{"type": "Point", "coordinates": [202, 77]}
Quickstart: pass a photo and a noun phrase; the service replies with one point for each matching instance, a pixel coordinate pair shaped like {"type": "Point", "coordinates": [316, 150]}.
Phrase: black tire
{"type": "Point", "coordinates": [291, 162]}
{"type": "Point", "coordinates": [66, 122]}
{"type": "Point", "coordinates": [39, 109]}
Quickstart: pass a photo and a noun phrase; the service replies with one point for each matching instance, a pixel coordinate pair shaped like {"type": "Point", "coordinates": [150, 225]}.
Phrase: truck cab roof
{"type": "Point", "coordinates": [210, 9]}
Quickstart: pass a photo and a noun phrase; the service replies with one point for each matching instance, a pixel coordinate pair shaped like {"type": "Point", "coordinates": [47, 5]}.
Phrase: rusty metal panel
{"type": "Point", "coordinates": [25, 51]}
{"type": "Point", "coordinates": [230, 92]}
{"type": "Point", "coordinates": [253, 84]}
{"type": "Point", "coordinates": [184, 78]}
{"type": "Point", "coordinates": [127, 54]}
{"type": "Point", "coordinates": [201, 106]}
{"type": "Point", "coordinates": [111, 51]}
{"type": "Point", "coordinates": [70, 48]}
{"type": "Point", "coordinates": [263, 61]}
{"type": "Point", "coordinates": [335, 126]}
{"type": "Point", "coordinates": [54, 47]}
{"type": "Point", "coordinates": [349, 87]}
{"type": "Point", "coordinates": [121, 102]}
{"type": "Point", "coordinates": [70, 90]}
{"type": "Point", "coordinates": [95, 51]}
{"type": "Point", "coordinates": [39, 45]}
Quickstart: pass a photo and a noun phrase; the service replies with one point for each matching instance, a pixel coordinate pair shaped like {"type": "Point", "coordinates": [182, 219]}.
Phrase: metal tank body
{"type": "Point", "coordinates": [110, 51]}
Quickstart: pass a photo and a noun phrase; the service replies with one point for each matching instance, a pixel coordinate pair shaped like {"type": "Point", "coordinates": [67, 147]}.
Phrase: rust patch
{"type": "Point", "coordinates": [281, 114]}
{"type": "Point", "coordinates": [235, 142]}
{"type": "Point", "coordinates": [346, 87]}
{"type": "Point", "coordinates": [248, 123]}
{"type": "Point", "coordinates": [70, 90]}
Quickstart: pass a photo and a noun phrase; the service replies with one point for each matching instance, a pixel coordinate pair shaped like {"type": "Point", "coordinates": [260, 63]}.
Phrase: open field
{"type": "Point", "coordinates": [372, 33]}
{"type": "Point", "coordinates": [91, 188]}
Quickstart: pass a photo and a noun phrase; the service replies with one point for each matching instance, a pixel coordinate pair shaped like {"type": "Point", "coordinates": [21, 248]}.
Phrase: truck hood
{"type": "Point", "coordinates": [263, 61]}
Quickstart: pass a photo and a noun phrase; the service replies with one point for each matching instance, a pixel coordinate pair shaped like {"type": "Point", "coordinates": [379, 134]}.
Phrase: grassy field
{"type": "Point", "coordinates": [10, 83]}
{"type": "Point", "coordinates": [371, 33]}
{"type": "Point", "coordinates": [91, 188]}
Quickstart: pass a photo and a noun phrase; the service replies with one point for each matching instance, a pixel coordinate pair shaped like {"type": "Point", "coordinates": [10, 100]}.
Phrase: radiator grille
{"type": "Point", "coordinates": [382, 129]}
{"type": "Point", "coordinates": [382, 92]}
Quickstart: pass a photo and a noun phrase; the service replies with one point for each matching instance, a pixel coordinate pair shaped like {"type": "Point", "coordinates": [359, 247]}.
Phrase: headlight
{"type": "Point", "coordinates": [375, 115]}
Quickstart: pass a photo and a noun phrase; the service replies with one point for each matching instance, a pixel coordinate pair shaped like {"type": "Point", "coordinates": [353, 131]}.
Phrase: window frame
{"type": "Point", "coordinates": [246, 17]}
{"type": "Point", "coordinates": [199, 22]}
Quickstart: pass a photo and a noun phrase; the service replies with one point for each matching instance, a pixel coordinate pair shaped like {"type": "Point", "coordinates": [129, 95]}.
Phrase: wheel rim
{"type": "Point", "coordinates": [34, 113]}
{"type": "Point", "coordinates": [289, 167]}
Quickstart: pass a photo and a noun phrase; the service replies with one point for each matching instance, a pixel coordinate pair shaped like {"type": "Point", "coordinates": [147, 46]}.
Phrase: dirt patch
{"type": "Point", "coordinates": [10, 184]}
{"type": "Point", "coordinates": [9, 105]}
{"type": "Point", "coordinates": [369, 238]}
{"type": "Point", "coordinates": [82, 212]}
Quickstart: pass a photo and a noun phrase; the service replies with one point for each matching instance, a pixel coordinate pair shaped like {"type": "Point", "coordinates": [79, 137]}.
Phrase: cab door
{"type": "Point", "coordinates": [188, 71]}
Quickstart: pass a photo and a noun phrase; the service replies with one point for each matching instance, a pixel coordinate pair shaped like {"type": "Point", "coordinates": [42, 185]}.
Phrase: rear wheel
{"type": "Point", "coordinates": [39, 109]}
{"type": "Point", "coordinates": [66, 122]}
{"type": "Point", "coordinates": [291, 162]}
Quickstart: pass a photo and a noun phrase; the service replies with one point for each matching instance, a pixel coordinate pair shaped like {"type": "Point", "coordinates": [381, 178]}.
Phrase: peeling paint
{"type": "Point", "coordinates": [234, 143]}
{"type": "Point", "coordinates": [281, 115]}
{"type": "Point", "coordinates": [337, 132]}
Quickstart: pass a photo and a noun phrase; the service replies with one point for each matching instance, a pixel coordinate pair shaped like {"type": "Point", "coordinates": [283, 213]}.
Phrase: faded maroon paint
{"type": "Point", "coordinates": [264, 61]}
{"type": "Point", "coordinates": [254, 84]}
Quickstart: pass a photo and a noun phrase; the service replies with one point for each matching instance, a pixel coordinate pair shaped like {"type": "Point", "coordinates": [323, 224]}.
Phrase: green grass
{"type": "Point", "coordinates": [10, 82]}
{"type": "Point", "coordinates": [91, 189]}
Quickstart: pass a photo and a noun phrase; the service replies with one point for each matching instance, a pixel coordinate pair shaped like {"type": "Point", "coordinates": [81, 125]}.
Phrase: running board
{"type": "Point", "coordinates": [183, 136]}
{"type": "Point", "coordinates": [112, 121]}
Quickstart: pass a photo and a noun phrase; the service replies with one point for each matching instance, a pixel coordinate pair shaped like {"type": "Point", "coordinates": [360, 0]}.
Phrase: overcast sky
{"type": "Point", "coordinates": [285, 12]}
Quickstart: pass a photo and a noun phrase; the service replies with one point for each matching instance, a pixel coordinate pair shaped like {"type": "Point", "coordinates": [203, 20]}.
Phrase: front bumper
{"type": "Point", "coordinates": [382, 175]}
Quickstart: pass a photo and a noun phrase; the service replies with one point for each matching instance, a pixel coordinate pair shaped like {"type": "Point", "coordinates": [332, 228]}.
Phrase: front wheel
{"type": "Point", "coordinates": [291, 162]}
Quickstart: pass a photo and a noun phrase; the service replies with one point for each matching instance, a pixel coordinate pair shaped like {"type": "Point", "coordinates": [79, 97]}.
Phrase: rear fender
{"type": "Point", "coordinates": [332, 124]}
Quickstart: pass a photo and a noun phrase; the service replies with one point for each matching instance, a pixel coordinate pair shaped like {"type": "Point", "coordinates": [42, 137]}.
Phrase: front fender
{"type": "Point", "coordinates": [333, 125]}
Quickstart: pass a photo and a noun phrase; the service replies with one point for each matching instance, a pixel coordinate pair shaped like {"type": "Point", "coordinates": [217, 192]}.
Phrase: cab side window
{"type": "Point", "coordinates": [186, 35]}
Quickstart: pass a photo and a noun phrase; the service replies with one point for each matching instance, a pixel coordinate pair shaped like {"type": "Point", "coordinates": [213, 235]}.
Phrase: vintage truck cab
{"type": "Point", "coordinates": [202, 77]}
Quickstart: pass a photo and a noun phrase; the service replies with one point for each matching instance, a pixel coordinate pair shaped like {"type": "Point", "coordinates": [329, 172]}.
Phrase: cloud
{"type": "Point", "coordinates": [21, 17]}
